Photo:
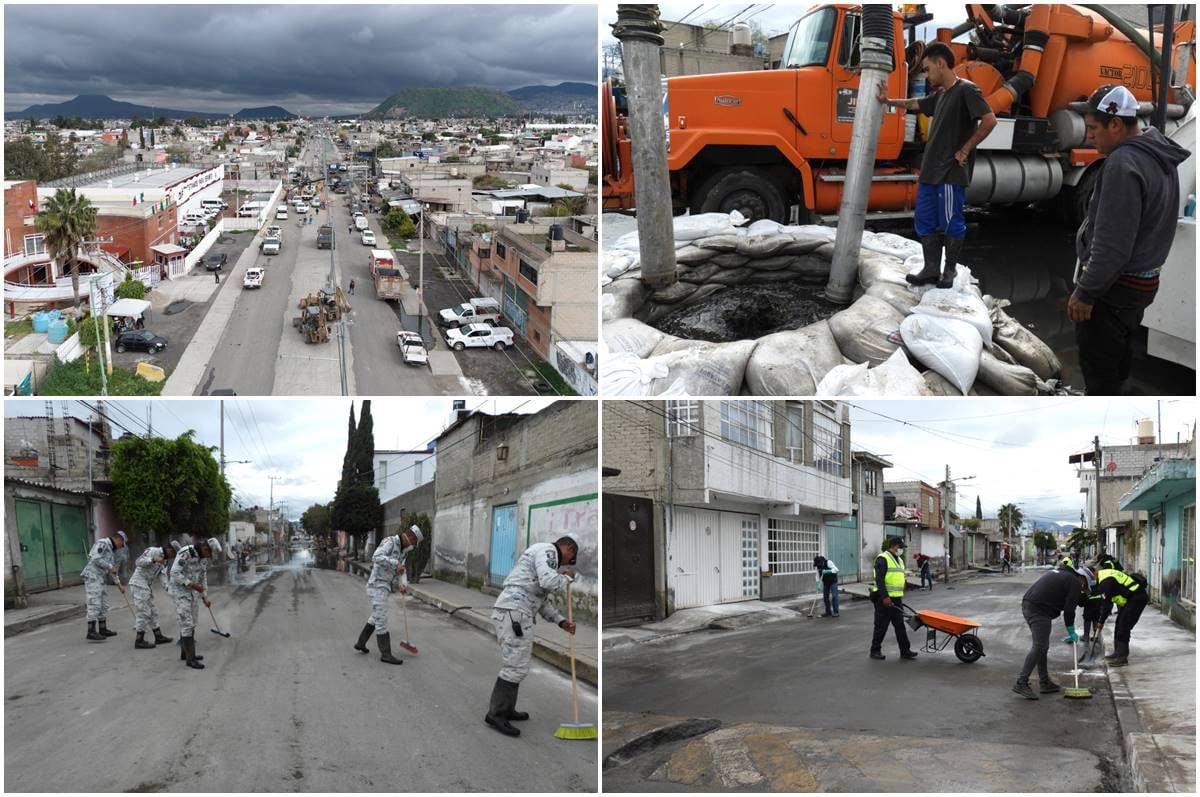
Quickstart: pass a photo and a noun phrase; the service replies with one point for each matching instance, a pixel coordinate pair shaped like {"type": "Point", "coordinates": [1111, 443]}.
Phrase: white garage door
{"type": "Point", "coordinates": [713, 557]}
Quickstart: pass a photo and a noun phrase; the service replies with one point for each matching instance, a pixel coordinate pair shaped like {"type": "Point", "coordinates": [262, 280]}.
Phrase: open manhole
{"type": "Point", "coordinates": [748, 312]}
{"type": "Point", "coordinates": [177, 306]}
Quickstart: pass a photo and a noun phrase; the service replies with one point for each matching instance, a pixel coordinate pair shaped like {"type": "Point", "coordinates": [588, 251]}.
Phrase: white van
{"type": "Point", "coordinates": [212, 204]}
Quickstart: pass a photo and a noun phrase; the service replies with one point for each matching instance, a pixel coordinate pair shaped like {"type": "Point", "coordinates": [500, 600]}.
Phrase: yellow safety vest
{"type": "Point", "coordinates": [893, 580]}
{"type": "Point", "coordinates": [1124, 579]}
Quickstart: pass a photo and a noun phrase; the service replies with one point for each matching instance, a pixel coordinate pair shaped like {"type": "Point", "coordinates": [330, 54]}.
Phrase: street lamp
{"type": "Point", "coordinates": [946, 518]}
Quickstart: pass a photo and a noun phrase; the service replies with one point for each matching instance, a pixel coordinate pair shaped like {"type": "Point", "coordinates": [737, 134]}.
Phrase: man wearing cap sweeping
{"type": "Point", "coordinates": [387, 562]}
{"type": "Point", "coordinates": [190, 577]}
{"type": "Point", "coordinates": [1124, 242]}
{"type": "Point", "coordinates": [1060, 590]}
{"type": "Point", "coordinates": [101, 565]}
{"type": "Point", "coordinates": [150, 565]}
{"type": "Point", "coordinates": [526, 593]}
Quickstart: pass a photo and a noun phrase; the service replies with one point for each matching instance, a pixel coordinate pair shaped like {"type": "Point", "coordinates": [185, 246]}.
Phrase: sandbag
{"type": "Point", "coordinates": [894, 377]}
{"type": "Point", "coordinates": [622, 298]}
{"type": "Point", "coordinates": [1026, 348]}
{"type": "Point", "coordinates": [938, 385]}
{"type": "Point", "coordinates": [793, 362]}
{"type": "Point", "coordinates": [900, 297]}
{"type": "Point", "coordinates": [693, 254]}
{"type": "Point", "coordinates": [946, 345]}
{"type": "Point", "coordinates": [699, 274]}
{"type": "Point", "coordinates": [874, 267]}
{"type": "Point", "coordinates": [729, 260]}
{"type": "Point", "coordinates": [866, 330]}
{"type": "Point", "coordinates": [764, 227]}
{"type": "Point", "coordinates": [763, 245]}
{"type": "Point", "coordinates": [673, 294]}
{"type": "Point", "coordinates": [811, 265]}
{"type": "Point", "coordinates": [630, 336]}
{"type": "Point", "coordinates": [888, 243]}
{"type": "Point", "coordinates": [689, 228]}
{"type": "Point", "coordinates": [961, 305]}
{"type": "Point", "coordinates": [1005, 379]}
{"type": "Point", "coordinates": [617, 263]}
{"type": "Point", "coordinates": [771, 263]}
{"type": "Point", "coordinates": [699, 368]}
{"type": "Point", "coordinates": [624, 374]}
{"type": "Point", "coordinates": [725, 242]}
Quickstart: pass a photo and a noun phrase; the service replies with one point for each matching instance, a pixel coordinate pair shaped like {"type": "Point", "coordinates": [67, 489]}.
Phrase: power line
{"type": "Point", "coordinates": [270, 461]}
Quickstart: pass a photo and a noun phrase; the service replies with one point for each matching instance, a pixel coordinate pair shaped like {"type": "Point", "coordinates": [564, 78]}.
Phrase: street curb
{"type": "Point", "coordinates": [552, 654]}
{"type": "Point", "coordinates": [58, 615]}
{"type": "Point", "coordinates": [1129, 722]}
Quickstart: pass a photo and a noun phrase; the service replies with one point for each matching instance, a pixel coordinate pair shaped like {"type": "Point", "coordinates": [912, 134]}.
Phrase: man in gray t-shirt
{"type": "Point", "coordinates": [961, 119]}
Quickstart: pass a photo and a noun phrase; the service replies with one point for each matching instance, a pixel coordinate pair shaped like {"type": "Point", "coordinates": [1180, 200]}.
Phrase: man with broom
{"type": "Point", "coordinates": [151, 565]}
{"type": "Point", "coordinates": [387, 562]}
{"type": "Point", "coordinates": [1060, 590]}
{"type": "Point", "coordinates": [527, 590]}
{"type": "Point", "coordinates": [190, 577]}
{"type": "Point", "coordinates": [101, 566]}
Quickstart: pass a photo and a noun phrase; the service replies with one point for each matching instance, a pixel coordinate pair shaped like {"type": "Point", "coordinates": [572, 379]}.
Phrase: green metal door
{"type": "Point", "coordinates": [841, 547]}
{"type": "Point", "coordinates": [37, 544]}
{"type": "Point", "coordinates": [70, 541]}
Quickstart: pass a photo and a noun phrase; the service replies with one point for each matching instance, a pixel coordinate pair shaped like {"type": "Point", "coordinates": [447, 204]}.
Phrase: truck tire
{"type": "Point", "coordinates": [752, 192]}
{"type": "Point", "coordinates": [1072, 201]}
{"type": "Point", "coordinates": [459, 346]}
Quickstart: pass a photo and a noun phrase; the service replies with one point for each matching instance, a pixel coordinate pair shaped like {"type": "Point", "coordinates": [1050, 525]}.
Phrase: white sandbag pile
{"type": "Point", "coordinates": [963, 341]}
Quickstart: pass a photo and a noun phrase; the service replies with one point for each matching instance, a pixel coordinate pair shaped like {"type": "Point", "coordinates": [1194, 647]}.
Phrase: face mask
{"type": "Point", "coordinates": [900, 552]}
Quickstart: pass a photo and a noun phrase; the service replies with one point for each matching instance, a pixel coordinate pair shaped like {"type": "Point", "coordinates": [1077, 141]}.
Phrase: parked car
{"type": "Point", "coordinates": [275, 231]}
{"type": "Point", "coordinates": [215, 262]}
{"type": "Point", "coordinates": [412, 348]}
{"type": "Point", "coordinates": [141, 340]}
{"type": "Point", "coordinates": [301, 208]}
{"type": "Point", "coordinates": [368, 238]}
{"type": "Point", "coordinates": [270, 246]}
{"type": "Point", "coordinates": [360, 223]}
{"type": "Point", "coordinates": [253, 278]}
{"type": "Point", "coordinates": [479, 336]}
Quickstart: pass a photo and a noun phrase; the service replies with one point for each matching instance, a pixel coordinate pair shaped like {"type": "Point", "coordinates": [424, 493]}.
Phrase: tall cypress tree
{"type": "Point", "coordinates": [364, 446]}
{"type": "Point", "coordinates": [978, 508]}
{"type": "Point", "coordinates": [356, 508]}
{"type": "Point", "coordinates": [348, 458]}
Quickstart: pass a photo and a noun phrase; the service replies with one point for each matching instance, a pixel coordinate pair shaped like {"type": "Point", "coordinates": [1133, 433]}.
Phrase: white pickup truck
{"type": "Point", "coordinates": [253, 278]}
{"type": "Point", "coordinates": [412, 348]}
{"type": "Point", "coordinates": [479, 336]}
{"type": "Point", "coordinates": [476, 311]}
{"type": "Point", "coordinates": [270, 246]}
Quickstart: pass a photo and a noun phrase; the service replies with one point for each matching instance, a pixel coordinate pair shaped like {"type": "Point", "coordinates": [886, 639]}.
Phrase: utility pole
{"type": "Point", "coordinates": [222, 406]}
{"type": "Point", "coordinates": [421, 275]}
{"type": "Point", "coordinates": [1096, 465]}
{"type": "Point", "coordinates": [271, 511]}
{"type": "Point", "coordinates": [946, 524]}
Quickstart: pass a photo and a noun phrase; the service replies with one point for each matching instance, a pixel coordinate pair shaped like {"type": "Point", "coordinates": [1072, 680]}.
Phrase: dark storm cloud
{"type": "Point", "coordinates": [305, 58]}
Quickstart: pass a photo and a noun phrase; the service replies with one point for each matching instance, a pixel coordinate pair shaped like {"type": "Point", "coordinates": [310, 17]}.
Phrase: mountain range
{"type": "Point", "coordinates": [98, 106]}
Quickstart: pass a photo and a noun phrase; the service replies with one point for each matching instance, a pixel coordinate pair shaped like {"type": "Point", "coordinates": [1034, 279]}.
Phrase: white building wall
{"type": "Point", "coordinates": [397, 472]}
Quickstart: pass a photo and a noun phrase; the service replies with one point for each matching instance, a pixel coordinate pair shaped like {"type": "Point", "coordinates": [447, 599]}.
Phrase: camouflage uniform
{"type": "Point", "coordinates": [526, 593]}
{"type": "Point", "coordinates": [141, 584]}
{"type": "Point", "coordinates": [390, 554]}
{"type": "Point", "coordinates": [100, 566]}
{"type": "Point", "coordinates": [187, 568]}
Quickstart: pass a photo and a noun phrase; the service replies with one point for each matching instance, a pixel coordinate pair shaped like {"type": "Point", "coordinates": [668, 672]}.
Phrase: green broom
{"type": "Point", "coordinates": [1077, 692]}
{"type": "Point", "coordinates": [574, 730]}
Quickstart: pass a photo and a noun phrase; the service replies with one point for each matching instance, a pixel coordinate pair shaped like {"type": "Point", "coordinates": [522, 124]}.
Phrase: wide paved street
{"type": "Point", "coordinates": [286, 704]}
{"type": "Point", "coordinates": [796, 705]}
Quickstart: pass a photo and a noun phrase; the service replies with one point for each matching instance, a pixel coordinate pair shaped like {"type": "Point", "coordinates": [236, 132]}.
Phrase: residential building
{"type": "Point", "coordinates": [241, 531]}
{"type": "Point", "coordinates": [440, 193]}
{"type": "Point", "coordinates": [709, 502]}
{"type": "Point", "coordinates": [20, 233]}
{"type": "Point", "coordinates": [560, 175]}
{"type": "Point", "coordinates": [924, 504]}
{"type": "Point", "coordinates": [56, 501]}
{"type": "Point", "coordinates": [507, 481]}
{"type": "Point", "coordinates": [398, 472]}
{"type": "Point", "coordinates": [702, 50]}
{"type": "Point", "coordinates": [1166, 492]}
{"type": "Point", "coordinates": [866, 482]}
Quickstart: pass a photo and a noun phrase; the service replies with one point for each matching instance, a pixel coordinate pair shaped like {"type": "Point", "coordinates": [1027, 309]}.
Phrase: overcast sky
{"type": "Point", "coordinates": [1016, 449]}
{"type": "Point", "coordinates": [306, 58]}
{"type": "Point", "coordinates": [301, 441]}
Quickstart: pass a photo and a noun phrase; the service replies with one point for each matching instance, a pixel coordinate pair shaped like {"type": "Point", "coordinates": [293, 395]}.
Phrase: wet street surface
{"type": "Point", "coordinates": [284, 704]}
{"type": "Point", "coordinates": [797, 705]}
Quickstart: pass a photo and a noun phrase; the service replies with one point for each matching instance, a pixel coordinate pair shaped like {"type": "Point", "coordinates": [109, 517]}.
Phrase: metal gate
{"type": "Point", "coordinates": [841, 547]}
{"type": "Point", "coordinates": [54, 543]}
{"type": "Point", "coordinates": [70, 542]}
{"type": "Point", "coordinates": [628, 593]}
{"type": "Point", "coordinates": [711, 557]}
{"type": "Point", "coordinates": [504, 543]}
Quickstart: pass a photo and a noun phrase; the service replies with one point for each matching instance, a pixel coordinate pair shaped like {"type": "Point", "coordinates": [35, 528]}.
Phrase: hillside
{"type": "Point", "coordinates": [579, 98]}
{"type": "Point", "coordinates": [445, 103]}
{"type": "Point", "coordinates": [268, 112]}
{"type": "Point", "coordinates": [98, 106]}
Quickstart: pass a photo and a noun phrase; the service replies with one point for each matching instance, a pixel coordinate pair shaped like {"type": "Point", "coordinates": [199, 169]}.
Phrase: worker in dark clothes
{"type": "Point", "coordinates": [1108, 562]}
{"type": "Point", "coordinates": [887, 593]}
{"type": "Point", "coordinates": [1125, 239]}
{"type": "Point", "coordinates": [961, 119]}
{"type": "Point", "coordinates": [1060, 590]}
{"type": "Point", "coordinates": [1130, 595]}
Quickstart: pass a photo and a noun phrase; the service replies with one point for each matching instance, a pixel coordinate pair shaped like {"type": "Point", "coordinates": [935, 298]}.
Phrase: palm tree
{"type": "Point", "coordinates": [66, 220]}
{"type": "Point", "coordinates": [1011, 517]}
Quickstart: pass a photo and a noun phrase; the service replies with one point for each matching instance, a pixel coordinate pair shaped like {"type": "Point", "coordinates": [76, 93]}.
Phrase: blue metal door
{"type": "Point", "coordinates": [841, 547]}
{"type": "Point", "coordinates": [504, 543]}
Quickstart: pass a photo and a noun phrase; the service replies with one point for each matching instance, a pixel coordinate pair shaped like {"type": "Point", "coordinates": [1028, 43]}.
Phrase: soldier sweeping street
{"type": "Point", "coordinates": [190, 577]}
{"type": "Point", "coordinates": [150, 565]}
{"type": "Point", "coordinates": [387, 563]}
{"type": "Point", "coordinates": [526, 593]}
{"type": "Point", "coordinates": [101, 565]}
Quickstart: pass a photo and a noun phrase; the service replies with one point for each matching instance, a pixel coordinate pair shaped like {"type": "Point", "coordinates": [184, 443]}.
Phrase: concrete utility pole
{"type": "Point", "coordinates": [271, 510]}
{"type": "Point", "coordinates": [1096, 465]}
{"type": "Point", "coordinates": [875, 47]}
{"type": "Point", "coordinates": [222, 406]}
{"type": "Point", "coordinates": [638, 29]}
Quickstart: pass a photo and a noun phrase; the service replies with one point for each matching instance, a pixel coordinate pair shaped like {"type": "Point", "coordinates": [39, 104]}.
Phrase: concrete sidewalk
{"type": "Point", "coordinates": [551, 644]}
{"type": "Point", "coordinates": [1156, 705]}
{"type": "Point", "coordinates": [50, 607]}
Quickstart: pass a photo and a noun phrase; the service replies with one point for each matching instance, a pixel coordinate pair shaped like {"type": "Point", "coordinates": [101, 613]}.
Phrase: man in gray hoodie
{"type": "Point", "coordinates": [1125, 239]}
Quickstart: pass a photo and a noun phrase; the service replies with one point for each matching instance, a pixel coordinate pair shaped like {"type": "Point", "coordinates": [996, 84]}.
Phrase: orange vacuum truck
{"type": "Point", "coordinates": [761, 142]}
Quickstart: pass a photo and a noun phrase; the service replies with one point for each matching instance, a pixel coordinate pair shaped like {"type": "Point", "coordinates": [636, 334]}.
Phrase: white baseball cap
{"type": "Point", "coordinates": [416, 532]}
{"type": "Point", "coordinates": [1114, 100]}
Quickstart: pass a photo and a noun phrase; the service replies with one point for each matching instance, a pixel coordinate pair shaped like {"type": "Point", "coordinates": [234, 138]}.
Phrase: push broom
{"type": "Point", "coordinates": [404, 643]}
{"type": "Point", "coordinates": [1076, 692]}
{"type": "Point", "coordinates": [576, 729]}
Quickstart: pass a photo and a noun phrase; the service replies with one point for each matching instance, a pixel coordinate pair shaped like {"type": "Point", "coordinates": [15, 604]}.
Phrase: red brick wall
{"type": "Point", "coordinates": [16, 210]}
{"type": "Point", "coordinates": [138, 235]}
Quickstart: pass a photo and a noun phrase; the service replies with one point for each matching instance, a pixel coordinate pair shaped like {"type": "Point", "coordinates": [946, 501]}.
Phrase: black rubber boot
{"type": "Point", "coordinates": [140, 643]}
{"type": "Point", "coordinates": [513, 714]}
{"type": "Point", "coordinates": [189, 647]}
{"type": "Point", "coordinates": [932, 246]}
{"type": "Point", "coordinates": [159, 638]}
{"type": "Point", "coordinates": [1022, 688]}
{"type": "Point", "coordinates": [953, 248]}
{"type": "Point", "coordinates": [183, 653]}
{"type": "Point", "coordinates": [104, 629]}
{"type": "Point", "coordinates": [1048, 687]}
{"type": "Point", "coordinates": [363, 636]}
{"type": "Point", "coordinates": [385, 649]}
{"type": "Point", "coordinates": [499, 708]}
{"type": "Point", "coordinates": [92, 634]}
{"type": "Point", "coordinates": [878, 655]}
{"type": "Point", "coordinates": [908, 654]}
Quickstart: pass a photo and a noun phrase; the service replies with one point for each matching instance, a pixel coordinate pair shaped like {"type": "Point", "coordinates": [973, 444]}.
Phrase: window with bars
{"type": "Point", "coordinates": [683, 418]}
{"type": "Point", "coordinates": [35, 245]}
{"type": "Point", "coordinates": [870, 481]}
{"type": "Point", "coordinates": [827, 440]}
{"type": "Point", "coordinates": [791, 546]}
{"type": "Point", "coordinates": [748, 423]}
{"type": "Point", "coordinates": [501, 250]}
{"type": "Point", "coordinates": [1187, 545]}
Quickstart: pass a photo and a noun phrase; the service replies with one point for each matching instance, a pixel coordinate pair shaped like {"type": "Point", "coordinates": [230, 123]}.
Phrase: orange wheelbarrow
{"type": "Point", "coordinates": [967, 645]}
